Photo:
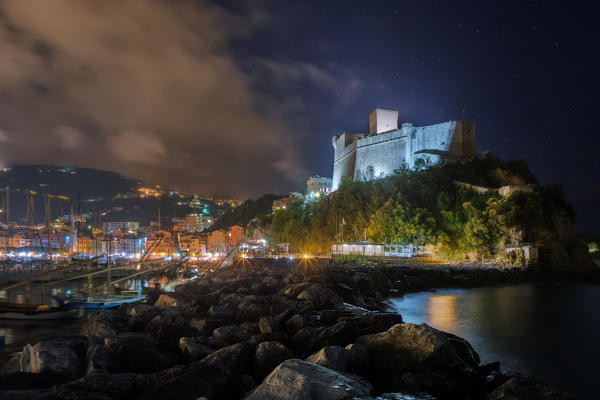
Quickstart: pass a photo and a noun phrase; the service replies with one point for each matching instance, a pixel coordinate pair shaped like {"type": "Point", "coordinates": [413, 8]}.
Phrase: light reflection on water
{"type": "Point", "coordinates": [549, 331]}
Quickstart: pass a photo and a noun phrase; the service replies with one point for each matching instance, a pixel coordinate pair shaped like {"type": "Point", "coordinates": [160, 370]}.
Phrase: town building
{"type": "Point", "coordinates": [192, 244]}
{"type": "Point", "coordinates": [123, 226]}
{"type": "Point", "coordinates": [160, 244]}
{"type": "Point", "coordinates": [218, 241]}
{"type": "Point", "coordinates": [388, 148]}
{"type": "Point", "coordinates": [317, 186]}
{"type": "Point", "coordinates": [199, 222]}
{"type": "Point", "coordinates": [236, 235]}
{"type": "Point", "coordinates": [281, 204]}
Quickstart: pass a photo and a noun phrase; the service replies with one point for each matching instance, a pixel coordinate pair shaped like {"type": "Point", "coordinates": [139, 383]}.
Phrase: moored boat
{"type": "Point", "coordinates": [38, 312]}
{"type": "Point", "coordinates": [99, 302]}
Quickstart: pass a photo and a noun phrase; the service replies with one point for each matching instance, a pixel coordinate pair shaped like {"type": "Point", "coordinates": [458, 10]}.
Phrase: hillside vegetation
{"type": "Point", "coordinates": [428, 207]}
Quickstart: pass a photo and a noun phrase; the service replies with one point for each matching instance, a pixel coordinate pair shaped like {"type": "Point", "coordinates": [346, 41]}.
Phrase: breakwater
{"type": "Point", "coordinates": [271, 329]}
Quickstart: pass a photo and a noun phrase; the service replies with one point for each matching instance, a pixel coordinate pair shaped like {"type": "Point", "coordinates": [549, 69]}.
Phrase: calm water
{"type": "Point", "coordinates": [549, 331]}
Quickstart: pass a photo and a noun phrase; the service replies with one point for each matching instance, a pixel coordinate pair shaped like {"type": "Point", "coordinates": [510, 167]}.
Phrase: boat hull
{"type": "Point", "coordinates": [52, 314]}
{"type": "Point", "coordinates": [100, 303]}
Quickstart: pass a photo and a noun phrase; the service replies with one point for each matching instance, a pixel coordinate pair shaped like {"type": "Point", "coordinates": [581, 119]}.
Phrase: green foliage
{"type": "Point", "coordinates": [245, 212]}
{"type": "Point", "coordinates": [426, 207]}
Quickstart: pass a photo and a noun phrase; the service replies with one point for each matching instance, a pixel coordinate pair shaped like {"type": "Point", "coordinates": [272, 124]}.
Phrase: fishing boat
{"type": "Point", "coordinates": [99, 302]}
{"type": "Point", "coordinates": [38, 312]}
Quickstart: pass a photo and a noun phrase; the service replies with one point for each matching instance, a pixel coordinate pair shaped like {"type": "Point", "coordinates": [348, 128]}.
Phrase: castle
{"type": "Point", "coordinates": [387, 148]}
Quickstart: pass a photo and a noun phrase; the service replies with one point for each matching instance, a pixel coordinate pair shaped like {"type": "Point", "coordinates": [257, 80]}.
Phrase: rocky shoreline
{"type": "Point", "coordinates": [273, 330]}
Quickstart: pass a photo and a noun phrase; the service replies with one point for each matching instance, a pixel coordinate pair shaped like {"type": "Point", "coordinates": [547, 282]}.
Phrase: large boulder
{"type": "Point", "coordinates": [217, 376]}
{"type": "Point", "coordinates": [100, 359]}
{"type": "Point", "coordinates": [207, 325]}
{"type": "Point", "coordinates": [250, 311]}
{"type": "Point", "coordinates": [294, 324]}
{"type": "Point", "coordinates": [332, 357]}
{"type": "Point", "coordinates": [236, 333]}
{"type": "Point", "coordinates": [218, 311]}
{"type": "Point", "coordinates": [354, 358]}
{"type": "Point", "coordinates": [523, 388]}
{"type": "Point", "coordinates": [104, 324]}
{"type": "Point", "coordinates": [320, 297]}
{"type": "Point", "coordinates": [49, 357]}
{"type": "Point", "coordinates": [302, 380]}
{"type": "Point", "coordinates": [268, 325]}
{"type": "Point", "coordinates": [421, 358]}
{"type": "Point", "coordinates": [268, 356]}
{"type": "Point", "coordinates": [101, 387]}
{"type": "Point", "coordinates": [141, 317]}
{"type": "Point", "coordinates": [194, 349]}
{"type": "Point", "coordinates": [165, 330]}
{"type": "Point", "coordinates": [347, 329]}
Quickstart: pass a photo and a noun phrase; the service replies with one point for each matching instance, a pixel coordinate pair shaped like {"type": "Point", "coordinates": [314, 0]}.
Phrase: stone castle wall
{"type": "Point", "coordinates": [376, 156]}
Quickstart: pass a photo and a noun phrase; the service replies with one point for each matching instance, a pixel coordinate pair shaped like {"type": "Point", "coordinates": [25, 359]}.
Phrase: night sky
{"type": "Point", "coordinates": [239, 98]}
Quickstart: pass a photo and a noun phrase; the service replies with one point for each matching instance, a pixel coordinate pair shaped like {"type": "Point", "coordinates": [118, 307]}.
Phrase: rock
{"type": "Point", "coordinates": [347, 329]}
{"type": "Point", "coordinates": [99, 360]}
{"type": "Point", "coordinates": [294, 289]}
{"type": "Point", "coordinates": [301, 380]}
{"type": "Point", "coordinates": [145, 359]}
{"type": "Point", "coordinates": [250, 311]}
{"type": "Point", "coordinates": [166, 330]}
{"type": "Point", "coordinates": [127, 339]}
{"type": "Point", "coordinates": [268, 356]}
{"type": "Point", "coordinates": [332, 357]}
{"type": "Point", "coordinates": [330, 317]}
{"type": "Point", "coordinates": [354, 358]}
{"type": "Point", "coordinates": [140, 319]}
{"type": "Point", "coordinates": [12, 365]}
{"type": "Point", "coordinates": [207, 325]}
{"type": "Point", "coordinates": [267, 325]}
{"type": "Point", "coordinates": [421, 358]}
{"type": "Point", "coordinates": [104, 324]}
{"type": "Point", "coordinates": [237, 358]}
{"type": "Point", "coordinates": [236, 333]}
{"type": "Point", "coordinates": [320, 297]}
{"type": "Point", "coordinates": [282, 317]}
{"type": "Point", "coordinates": [51, 358]}
{"type": "Point", "coordinates": [304, 340]}
{"type": "Point", "coordinates": [101, 387]}
{"type": "Point", "coordinates": [193, 350]}
{"type": "Point", "coordinates": [217, 376]}
{"type": "Point", "coordinates": [294, 324]}
{"type": "Point", "coordinates": [170, 300]}
{"type": "Point", "coordinates": [358, 360]}
{"type": "Point", "coordinates": [399, 396]}
{"type": "Point", "coordinates": [137, 308]}
{"type": "Point", "coordinates": [217, 311]}
{"type": "Point", "coordinates": [522, 388]}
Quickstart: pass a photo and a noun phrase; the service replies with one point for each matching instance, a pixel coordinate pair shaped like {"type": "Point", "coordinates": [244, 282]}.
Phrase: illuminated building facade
{"type": "Point", "coordinates": [388, 148]}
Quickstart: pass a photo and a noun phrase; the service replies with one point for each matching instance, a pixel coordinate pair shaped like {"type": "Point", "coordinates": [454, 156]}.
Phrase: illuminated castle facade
{"type": "Point", "coordinates": [387, 147]}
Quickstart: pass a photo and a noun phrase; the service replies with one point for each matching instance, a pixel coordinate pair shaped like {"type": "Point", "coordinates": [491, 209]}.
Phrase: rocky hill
{"type": "Point", "coordinates": [110, 195]}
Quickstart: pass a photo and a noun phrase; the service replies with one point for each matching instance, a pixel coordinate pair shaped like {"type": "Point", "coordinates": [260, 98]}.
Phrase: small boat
{"type": "Point", "coordinates": [38, 312]}
{"type": "Point", "coordinates": [99, 302]}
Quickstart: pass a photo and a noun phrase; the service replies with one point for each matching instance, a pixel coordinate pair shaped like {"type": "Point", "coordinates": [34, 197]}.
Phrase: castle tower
{"type": "Point", "coordinates": [382, 120]}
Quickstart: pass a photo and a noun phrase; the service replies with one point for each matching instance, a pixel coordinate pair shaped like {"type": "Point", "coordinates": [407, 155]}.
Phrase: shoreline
{"type": "Point", "coordinates": [286, 310]}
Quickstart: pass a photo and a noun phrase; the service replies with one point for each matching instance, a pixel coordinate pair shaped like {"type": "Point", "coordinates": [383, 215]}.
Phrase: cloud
{"type": "Point", "coordinates": [69, 137]}
{"type": "Point", "coordinates": [137, 147]}
{"type": "Point", "coordinates": [149, 89]}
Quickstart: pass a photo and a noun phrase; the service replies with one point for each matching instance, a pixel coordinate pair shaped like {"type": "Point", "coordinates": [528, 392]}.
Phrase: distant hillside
{"type": "Point", "coordinates": [244, 213]}
{"type": "Point", "coordinates": [112, 196]}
